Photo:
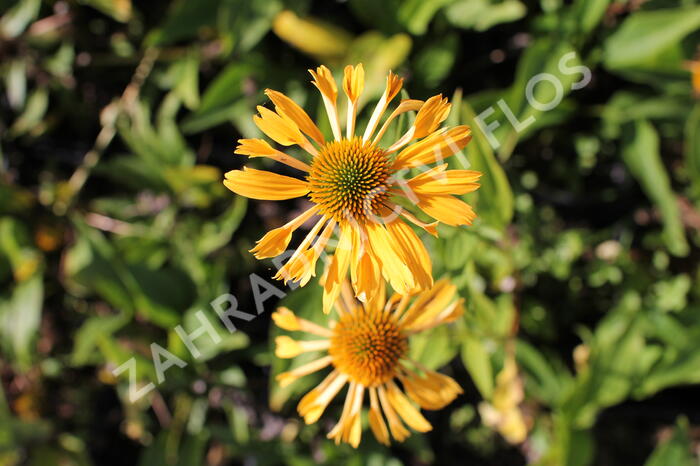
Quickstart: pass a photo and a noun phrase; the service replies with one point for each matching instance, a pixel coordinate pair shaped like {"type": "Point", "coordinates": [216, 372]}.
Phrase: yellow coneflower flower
{"type": "Point", "coordinates": [355, 184]}
{"type": "Point", "coordinates": [367, 347]}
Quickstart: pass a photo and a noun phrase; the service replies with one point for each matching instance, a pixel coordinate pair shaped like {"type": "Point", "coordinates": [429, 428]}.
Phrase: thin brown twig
{"type": "Point", "coordinates": [108, 118]}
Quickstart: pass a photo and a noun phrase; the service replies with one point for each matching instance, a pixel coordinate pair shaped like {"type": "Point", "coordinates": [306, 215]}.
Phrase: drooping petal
{"type": "Point", "coordinates": [434, 149]}
{"type": "Point", "coordinates": [261, 184]}
{"type": "Point", "coordinates": [432, 390]}
{"type": "Point", "coordinates": [393, 268]}
{"type": "Point", "coordinates": [364, 271]}
{"type": "Point", "coordinates": [338, 431]}
{"type": "Point", "coordinates": [413, 253]}
{"type": "Point", "coordinates": [285, 105]}
{"type": "Point", "coordinates": [285, 378]}
{"type": "Point", "coordinates": [447, 182]}
{"type": "Point", "coordinates": [287, 347]}
{"type": "Point", "coordinates": [290, 268]}
{"type": "Point", "coordinates": [337, 269]}
{"type": "Point", "coordinates": [430, 228]}
{"type": "Point", "coordinates": [306, 262]}
{"type": "Point", "coordinates": [398, 430]}
{"type": "Point", "coordinates": [314, 403]}
{"type": "Point", "coordinates": [406, 410]}
{"type": "Point", "coordinates": [285, 319]}
{"type": "Point", "coordinates": [376, 420]}
{"type": "Point", "coordinates": [430, 302]}
{"type": "Point", "coordinates": [260, 148]}
{"type": "Point", "coordinates": [447, 209]}
{"type": "Point", "coordinates": [349, 428]}
{"type": "Point", "coordinates": [275, 241]}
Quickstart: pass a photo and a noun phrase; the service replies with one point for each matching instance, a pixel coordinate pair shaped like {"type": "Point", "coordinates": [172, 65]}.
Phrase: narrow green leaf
{"type": "Point", "coordinates": [646, 34]}
{"type": "Point", "coordinates": [640, 151]}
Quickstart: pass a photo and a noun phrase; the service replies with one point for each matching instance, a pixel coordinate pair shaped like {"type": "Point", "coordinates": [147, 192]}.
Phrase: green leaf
{"type": "Point", "coordinates": [159, 295]}
{"type": "Point", "coordinates": [219, 99]}
{"type": "Point", "coordinates": [183, 21]}
{"type": "Point", "coordinates": [89, 334]}
{"type": "Point", "coordinates": [482, 15]}
{"type": "Point", "coordinates": [20, 317]}
{"type": "Point", "coordinates": [544, 380]}
{"type": "Point", "coordinates": [435, 61]}
{"type": "Point", "coordinates": [117, 9]}
{"type": "Point", "coordinates": [647, 34]}
{"type": "Point", "coordinates": [588, 13]}
{"type": "Point", "coordinates": [434, 348]}
{"type": "Point", "coordinates": [692, 148]}
{"type": "Point", "coordinates": [676, 450]}
{"type": "Point", "coordinates": [33, 114]}
{"type": "Point", "coordinates": [381, 15]}
{"type": "Point", "coordinates": [415, 15]}
{"type": "Point", "coordinates": [16, 83]}
{"type": "Point", "coordinates": [187, 80]}
{"type": "Point", "coordinates": [477, 360]}
{"type": "Point", "coordinates": [640, 151]}
{"type": "Point", "coordinates": [494, 198]}
{"type": "Point", "coordinates": [16, 19]}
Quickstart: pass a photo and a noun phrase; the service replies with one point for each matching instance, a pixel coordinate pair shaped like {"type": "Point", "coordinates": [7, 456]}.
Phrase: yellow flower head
{"type": "Point", "coordinates": [367, 348]}
{"type": "Point", "coordinates": [357, 187]}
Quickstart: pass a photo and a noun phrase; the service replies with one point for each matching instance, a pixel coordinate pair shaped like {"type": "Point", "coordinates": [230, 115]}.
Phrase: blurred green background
{"type": "Point", "coordinates": [118, 120]}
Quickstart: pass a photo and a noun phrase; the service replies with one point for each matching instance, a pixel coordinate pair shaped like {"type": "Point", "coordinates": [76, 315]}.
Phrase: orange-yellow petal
{"type": "Point", "coordinates": [446, 182]}
{"type": "Point", "coordinates": [279, 128]}
{"type": "Point", "coordinates": [315, 402]}
{"type": "Point", "coordinates": [393, 86]}
{"type": "Point", "coordinates": [293, 267]}
{"type": "Point", "coordinates": [286, 347]}
{"type": "Point", "coordinates": [398, 431]}
{"type": "Point", "coordinates": [337, 269]}
{"type": "Point", "coordinates": [433, 112]}
{"type": "Point", "coordinates": [447, 209]}
{"type": "Point", "coordinates": [286, 378]}
{"type": "Point", "coordinates": [413, 253]}
{"type": "Point", "coordinates": [364, 270]}
{"type": "Point", "coordinates": [285, 319]}
{"type": "Point", "coordinates": [261, 184]}
{"type": "Point", "coordinates": [324, 81]}
{"type": "Point", "coordinates": [286, 106]}
{"type": "Point", "coordinates": [429, 303]}
{"type": "Point", "coordinates": [392, 265]}
{"type": "Point", "coordinates": [353, 81]}
{"type": "Point", "coordinates": [406, 410]}
{"type": "Point", "coordinates": [275, 241]}
{"type": "Point", "coordinates": [376, 420]}
{"type": "Point", "coordinates": [434, 149]}
{"type": "Point", "coordinates": [406, 105]}
{"type": "Point", "coordinates": [432, 390]}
